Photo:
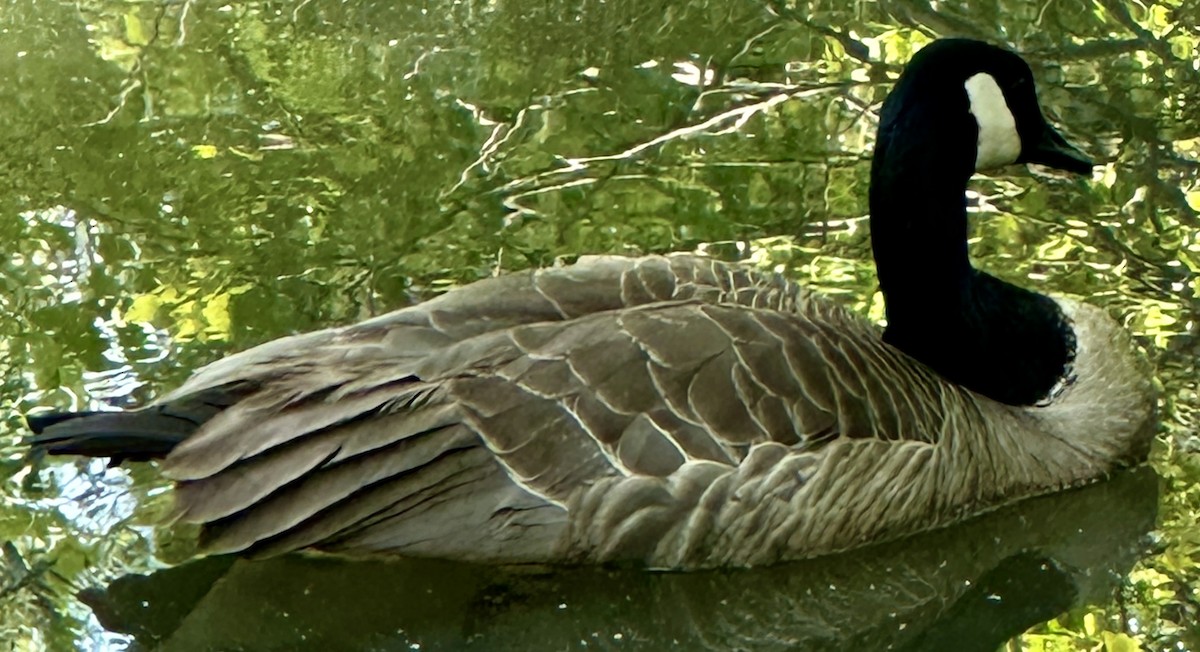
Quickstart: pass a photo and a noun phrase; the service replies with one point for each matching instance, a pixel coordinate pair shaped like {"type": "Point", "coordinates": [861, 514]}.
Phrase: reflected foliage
{"type": "Point", "coordinates": [960, 590]}
{"type": "Point", "coordinates": [187, 179]}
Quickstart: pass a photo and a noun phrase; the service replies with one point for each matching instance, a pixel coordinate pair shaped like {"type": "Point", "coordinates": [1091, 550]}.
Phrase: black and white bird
{"type": "Point", "coordinates": [674, 411]}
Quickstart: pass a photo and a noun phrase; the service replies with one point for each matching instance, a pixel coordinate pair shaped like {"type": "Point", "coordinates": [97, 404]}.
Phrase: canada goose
{"type": "Point", "coordinates": [673, 411]}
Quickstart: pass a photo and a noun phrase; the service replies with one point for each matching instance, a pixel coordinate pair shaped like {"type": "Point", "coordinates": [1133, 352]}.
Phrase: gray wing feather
{"type": "Point", "coordinates": [615, 408]}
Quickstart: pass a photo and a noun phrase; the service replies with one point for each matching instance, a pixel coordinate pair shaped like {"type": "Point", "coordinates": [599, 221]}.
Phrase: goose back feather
{"type": "Point", "coordinates": [522, 420]}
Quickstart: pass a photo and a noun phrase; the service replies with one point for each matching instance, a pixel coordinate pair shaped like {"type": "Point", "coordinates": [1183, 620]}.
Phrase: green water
{"type": "Point", "coordinates": [183, 180]}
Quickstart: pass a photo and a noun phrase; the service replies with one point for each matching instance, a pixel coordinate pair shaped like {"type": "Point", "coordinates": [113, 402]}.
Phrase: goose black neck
{"type": "Point", "coordinates": [992, 337]}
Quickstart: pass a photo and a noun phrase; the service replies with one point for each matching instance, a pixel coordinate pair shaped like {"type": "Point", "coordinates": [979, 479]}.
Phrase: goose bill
{"type": "Point", "coordinates": [1051, 149]}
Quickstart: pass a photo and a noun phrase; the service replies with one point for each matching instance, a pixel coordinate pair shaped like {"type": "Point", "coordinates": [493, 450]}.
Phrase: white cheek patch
{"type": "Point", "coordinates": [999, 142]}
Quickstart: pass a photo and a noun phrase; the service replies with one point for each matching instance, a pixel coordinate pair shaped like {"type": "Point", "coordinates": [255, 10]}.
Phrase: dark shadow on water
{"type": "Point", "coordinates": [970, 587]}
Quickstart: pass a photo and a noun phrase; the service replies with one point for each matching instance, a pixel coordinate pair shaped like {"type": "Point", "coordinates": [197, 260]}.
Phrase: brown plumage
{"type": "Point", "coordinates": [682, 412]}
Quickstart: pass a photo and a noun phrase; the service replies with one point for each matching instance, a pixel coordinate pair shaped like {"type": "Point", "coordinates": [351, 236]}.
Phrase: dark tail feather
{"type": "Point", "coordinates": [137, 435]}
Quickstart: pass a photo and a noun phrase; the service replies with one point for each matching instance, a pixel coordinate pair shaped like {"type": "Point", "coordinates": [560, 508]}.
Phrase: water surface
{"type": "Point", "coordinates": [185, 180]}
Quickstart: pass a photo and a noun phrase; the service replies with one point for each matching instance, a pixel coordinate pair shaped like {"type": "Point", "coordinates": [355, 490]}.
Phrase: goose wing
{"type": "Point", "coordinates": [578, 412]}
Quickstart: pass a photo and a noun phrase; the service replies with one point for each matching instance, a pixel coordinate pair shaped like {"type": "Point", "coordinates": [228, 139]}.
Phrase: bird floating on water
{"type": "Point", "coordinates": [673, 411]}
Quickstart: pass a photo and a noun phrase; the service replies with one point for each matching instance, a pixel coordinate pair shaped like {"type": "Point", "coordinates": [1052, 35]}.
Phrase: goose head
{"type": "Point", "coordinates": [968, 106]}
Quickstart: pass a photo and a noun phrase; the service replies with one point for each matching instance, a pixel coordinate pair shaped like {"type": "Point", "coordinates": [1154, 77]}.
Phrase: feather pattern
{"type": "Point", "coordinates": [680, 412]}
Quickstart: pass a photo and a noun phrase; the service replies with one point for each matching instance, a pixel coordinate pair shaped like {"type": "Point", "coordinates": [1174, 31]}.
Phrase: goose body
{"type": "Point", "coordinates": [673, 411]}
